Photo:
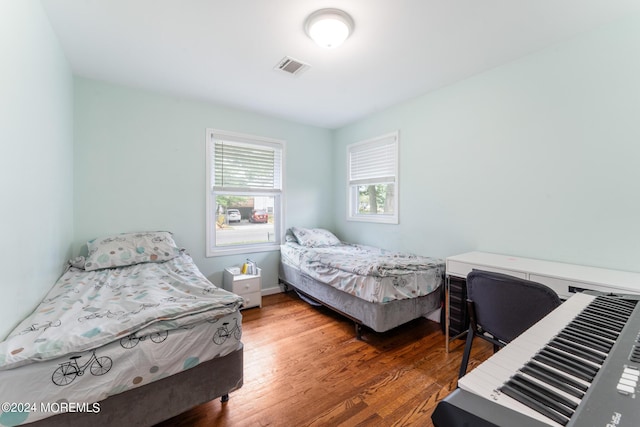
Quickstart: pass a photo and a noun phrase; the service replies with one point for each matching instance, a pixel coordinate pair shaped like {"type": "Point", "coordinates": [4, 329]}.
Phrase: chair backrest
{"type": "Point", "coordinates": [506, 306]}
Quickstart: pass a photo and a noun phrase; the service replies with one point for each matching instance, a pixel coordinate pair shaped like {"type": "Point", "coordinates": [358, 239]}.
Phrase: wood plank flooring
{"type": "Point", "coordinates": [303, 366]}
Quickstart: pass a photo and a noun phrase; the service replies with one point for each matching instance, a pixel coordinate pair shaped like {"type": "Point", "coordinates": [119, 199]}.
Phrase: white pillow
{"type": "Point", "coordinates": [127, 249]}
{"type": "Point", "coordinates": [315, 237]}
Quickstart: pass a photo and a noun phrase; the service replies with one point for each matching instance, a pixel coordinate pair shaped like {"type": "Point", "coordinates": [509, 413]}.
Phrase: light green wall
{"type": "Point", "coordinates": [537, 158]}
{"type": "Point", "coordinates": [36, 159]}
{"type": "Point", "coordinates": [140, 165]}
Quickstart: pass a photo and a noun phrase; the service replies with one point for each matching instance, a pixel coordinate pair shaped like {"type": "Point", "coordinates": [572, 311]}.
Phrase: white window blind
{"type": "Point", "coordinates": [239, 166]}
{"type": "Point", "coordinates": [372, 179]}
{"type": "Point", "coordinates": [373, 162]}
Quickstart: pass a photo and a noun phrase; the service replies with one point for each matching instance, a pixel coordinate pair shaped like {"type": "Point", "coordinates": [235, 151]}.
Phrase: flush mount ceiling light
{"type": "Point", "coordinates": [329, 27]}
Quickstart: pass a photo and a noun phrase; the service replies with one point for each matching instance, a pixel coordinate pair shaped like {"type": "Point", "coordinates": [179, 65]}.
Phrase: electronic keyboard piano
{"type": "Point", "coordinates": [579, 366]}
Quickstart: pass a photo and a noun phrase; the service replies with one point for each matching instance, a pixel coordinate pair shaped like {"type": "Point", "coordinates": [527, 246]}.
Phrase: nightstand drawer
{"type": "Point", "coordinates": [253, 299]}
{"type": "Point", "coordinates": [246, 286]}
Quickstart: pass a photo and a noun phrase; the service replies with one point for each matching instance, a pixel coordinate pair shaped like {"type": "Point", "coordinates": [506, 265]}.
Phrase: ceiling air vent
{"type": "Point", "coordinates": [291, 66]}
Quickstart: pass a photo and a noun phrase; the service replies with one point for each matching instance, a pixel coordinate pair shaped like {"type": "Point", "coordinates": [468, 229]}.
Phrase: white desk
{"type": "Point", "coordinates": [565, 279]}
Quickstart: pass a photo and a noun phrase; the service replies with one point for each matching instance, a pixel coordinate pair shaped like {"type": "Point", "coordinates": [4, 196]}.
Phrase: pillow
{"type": "Point", "coordinates": [314, 237]}
{"type": "Point", "coordinates": [289, 237]}
{"type": "Point", "coordinates": [127, 249]}
{"type": "Point", "coordinates": [77, 262]}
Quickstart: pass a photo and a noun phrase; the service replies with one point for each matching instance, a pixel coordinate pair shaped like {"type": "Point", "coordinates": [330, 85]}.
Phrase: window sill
{"type": "Point", "coordinates": [242, 250]}
{"type": "Point", "coordinates": [374, 219]}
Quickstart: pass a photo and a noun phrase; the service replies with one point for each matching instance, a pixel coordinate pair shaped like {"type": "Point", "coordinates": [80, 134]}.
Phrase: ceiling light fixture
{"type": "Point", "coordinates": [329, 27]}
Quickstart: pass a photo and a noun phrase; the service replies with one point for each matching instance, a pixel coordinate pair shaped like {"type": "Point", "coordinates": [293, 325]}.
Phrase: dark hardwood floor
{"type": "Point", "coordinates": [303, 366]}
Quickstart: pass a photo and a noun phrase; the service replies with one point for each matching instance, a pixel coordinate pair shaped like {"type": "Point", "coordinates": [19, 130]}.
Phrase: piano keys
{"type": "Point", "coordinates": [561, 370]}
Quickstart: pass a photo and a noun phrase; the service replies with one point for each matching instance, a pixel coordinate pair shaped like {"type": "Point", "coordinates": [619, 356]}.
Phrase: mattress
{"type": "Point", "coordinates": [380, 317]}
{"type": "Point", "coordinates": [162, 399]}
{"type": "Point", "coordinates": [100, 333]}
{"type": "Point", "coordinates": [372, 274]}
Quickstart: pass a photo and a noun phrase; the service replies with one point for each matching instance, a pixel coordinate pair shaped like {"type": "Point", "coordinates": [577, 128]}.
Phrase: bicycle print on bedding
{"type": "Point", "coordinates": [144, 299]}
{"type": "Point", "coordinates": [69, 371]}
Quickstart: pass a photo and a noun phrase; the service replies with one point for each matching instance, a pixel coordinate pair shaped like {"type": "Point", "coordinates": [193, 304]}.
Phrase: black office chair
{"type": "Point", "coordinates": [501, 307]}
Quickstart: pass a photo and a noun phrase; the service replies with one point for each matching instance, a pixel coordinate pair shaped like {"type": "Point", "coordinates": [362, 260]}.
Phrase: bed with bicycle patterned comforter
{"type": "Point", "coordinates": [103, 331]}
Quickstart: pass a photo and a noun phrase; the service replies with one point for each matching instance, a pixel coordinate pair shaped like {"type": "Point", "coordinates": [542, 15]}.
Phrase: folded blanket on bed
{"type": "Point", "coordinates": [87, 309]}
{"type": "Point", "coordinates": [371, 261]}
{"type": "Point", "coordinates": [372, 274]}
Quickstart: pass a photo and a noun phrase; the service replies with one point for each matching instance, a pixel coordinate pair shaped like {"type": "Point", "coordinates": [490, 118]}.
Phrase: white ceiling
{"type": "Point", "coordinates": [224, 51]}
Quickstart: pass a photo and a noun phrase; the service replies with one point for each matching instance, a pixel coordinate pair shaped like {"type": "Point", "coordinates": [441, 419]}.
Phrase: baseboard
{"type": "Point", "coordinates": [272, 290]}
{"type": "Point", "coordinates": [435, 315]}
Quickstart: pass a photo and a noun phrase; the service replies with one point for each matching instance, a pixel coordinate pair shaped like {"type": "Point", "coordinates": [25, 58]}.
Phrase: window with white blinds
{"type": "Point", "coordinates": [373, 179]}
{"type": "Point", "coordinates": [242, 166]}
{"type": "Point", "coordinates": [245, 193]}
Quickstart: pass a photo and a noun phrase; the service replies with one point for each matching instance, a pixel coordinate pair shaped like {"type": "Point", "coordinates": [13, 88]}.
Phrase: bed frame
{"type": "Point", "coordinates": [163, 399]}
{"type": "Point", "coordinates": [377, 316]}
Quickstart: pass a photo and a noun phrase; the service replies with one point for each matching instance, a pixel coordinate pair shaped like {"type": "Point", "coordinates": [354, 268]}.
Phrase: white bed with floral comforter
{"type": "Point", "coordinates": [375, 287]}
{"type": "Point", "coordinates": [373, 274]}
{"type": "Point", "coordinates": [101, 331]}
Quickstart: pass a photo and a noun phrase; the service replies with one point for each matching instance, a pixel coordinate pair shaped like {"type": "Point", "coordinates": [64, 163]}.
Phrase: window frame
{"type": "Point", "coordinates": [212, 250]}
{"type": "Point", "coordinates": [352, 196]}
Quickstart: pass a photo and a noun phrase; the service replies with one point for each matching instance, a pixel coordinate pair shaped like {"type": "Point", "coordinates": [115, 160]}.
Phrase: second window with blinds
{"type": "Point", "coordinates": [373, 180]}
{"type": "Point", "coordinates": [245, 193]}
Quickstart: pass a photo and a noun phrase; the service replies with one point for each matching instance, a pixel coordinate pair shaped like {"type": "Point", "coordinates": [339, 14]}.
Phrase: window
{"type": "Point", "coordinates": [373, 180]}
{"type": "Point", "coordinates": [245, 193]}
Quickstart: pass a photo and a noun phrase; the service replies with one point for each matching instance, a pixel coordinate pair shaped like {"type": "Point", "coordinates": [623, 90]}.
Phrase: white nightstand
{"type": "Point", "coordinates": [248, 286]}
